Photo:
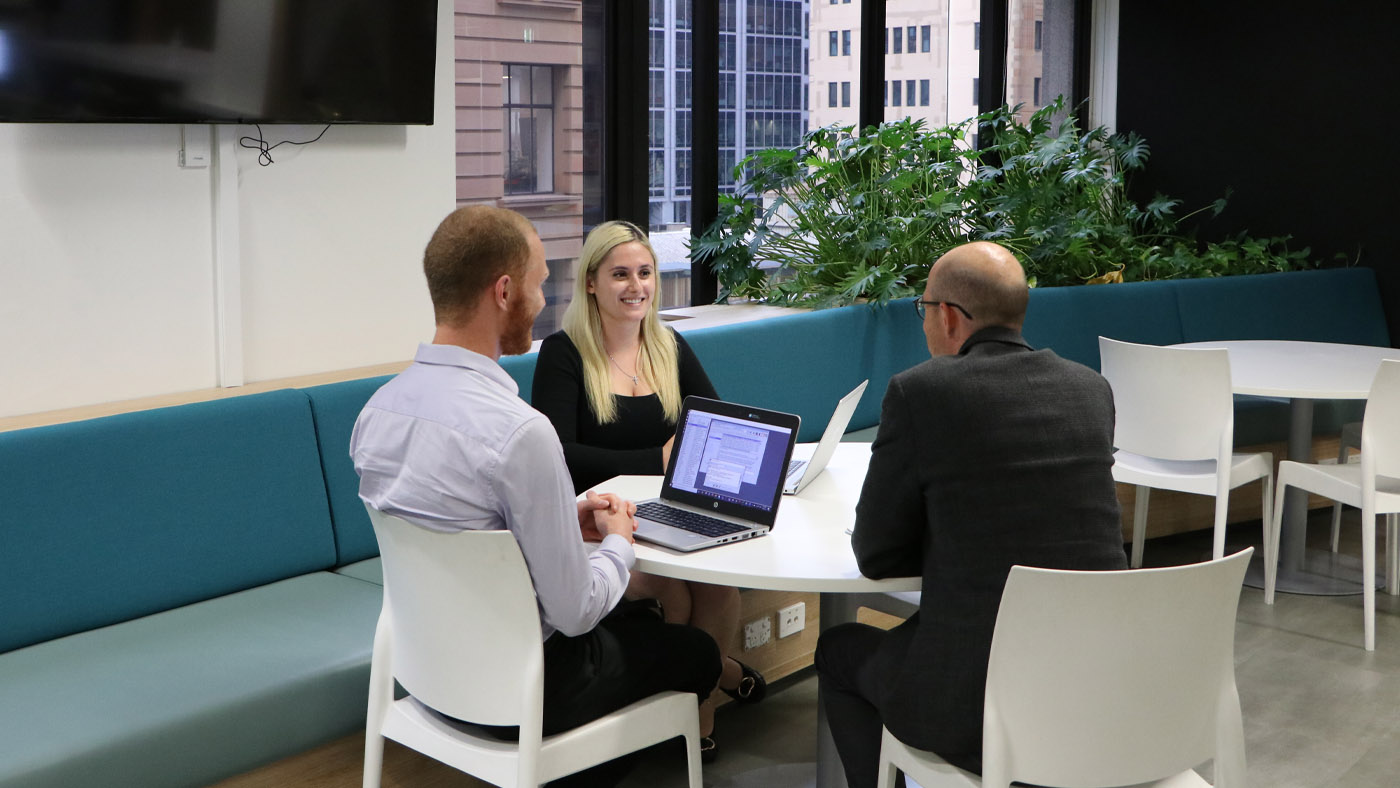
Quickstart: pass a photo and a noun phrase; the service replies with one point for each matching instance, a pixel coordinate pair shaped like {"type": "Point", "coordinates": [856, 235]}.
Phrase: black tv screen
{"type": "Point", "coordinates": [217, 61]}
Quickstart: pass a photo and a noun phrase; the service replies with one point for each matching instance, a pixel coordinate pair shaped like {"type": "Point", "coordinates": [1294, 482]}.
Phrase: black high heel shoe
{"type": "Point", "coordinates": [752, 686]}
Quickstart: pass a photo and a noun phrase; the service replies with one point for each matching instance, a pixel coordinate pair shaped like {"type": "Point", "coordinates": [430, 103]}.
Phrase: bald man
{"type": "Point", "coordinates": [988, 455]}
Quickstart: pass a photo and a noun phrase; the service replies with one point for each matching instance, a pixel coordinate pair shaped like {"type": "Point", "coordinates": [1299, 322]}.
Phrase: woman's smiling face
{"type": "Point", "coordinates": [624, 283]}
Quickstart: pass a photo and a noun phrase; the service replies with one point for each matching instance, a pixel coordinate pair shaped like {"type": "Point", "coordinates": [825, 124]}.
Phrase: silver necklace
{"type": "Point", "coordinates": [635, 383]}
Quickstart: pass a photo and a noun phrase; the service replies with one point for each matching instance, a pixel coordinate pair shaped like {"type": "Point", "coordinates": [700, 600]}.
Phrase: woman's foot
{"type": "Point", "coordinates": [751, 687]}
{"type": "Point", "coordinates": [709, 751]}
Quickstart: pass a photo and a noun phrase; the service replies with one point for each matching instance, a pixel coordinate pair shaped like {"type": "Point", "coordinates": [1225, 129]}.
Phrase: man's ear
{"type": "Point", "coordinates": [500, 291]}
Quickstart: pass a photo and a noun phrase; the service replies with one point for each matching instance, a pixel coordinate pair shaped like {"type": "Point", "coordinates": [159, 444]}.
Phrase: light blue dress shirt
{"type": "Point", "coordinates": [449, 445]}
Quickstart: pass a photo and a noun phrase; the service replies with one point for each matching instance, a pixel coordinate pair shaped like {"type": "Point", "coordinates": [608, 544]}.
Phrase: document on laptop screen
{"type": "Point", "coordinates": [731, 459]}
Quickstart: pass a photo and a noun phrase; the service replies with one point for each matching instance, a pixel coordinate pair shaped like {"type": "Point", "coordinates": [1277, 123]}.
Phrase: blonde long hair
{"type": "Point", "coordinates": [657, 361]}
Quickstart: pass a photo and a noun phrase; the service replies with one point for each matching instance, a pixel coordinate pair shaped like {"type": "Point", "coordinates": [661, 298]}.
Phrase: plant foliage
{"type": "Point", "coordinates": [848, 215]}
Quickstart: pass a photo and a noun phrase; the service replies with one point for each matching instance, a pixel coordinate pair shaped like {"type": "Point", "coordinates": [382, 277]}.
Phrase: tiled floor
{"type": "Point", "coordinates": [1319, 711]}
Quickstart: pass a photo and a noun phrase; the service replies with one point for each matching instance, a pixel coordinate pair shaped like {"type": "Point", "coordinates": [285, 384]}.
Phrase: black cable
{"type": "Point", "coordinates": [265, 151]}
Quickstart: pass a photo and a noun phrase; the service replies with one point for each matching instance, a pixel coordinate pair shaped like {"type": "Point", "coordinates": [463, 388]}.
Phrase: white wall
{"type": "Point", "coordinates": [107, 286]}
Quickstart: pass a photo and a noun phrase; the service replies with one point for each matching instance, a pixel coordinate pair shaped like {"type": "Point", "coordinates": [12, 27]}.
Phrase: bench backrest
{"type": "Point", "coordinates": [115, 518]}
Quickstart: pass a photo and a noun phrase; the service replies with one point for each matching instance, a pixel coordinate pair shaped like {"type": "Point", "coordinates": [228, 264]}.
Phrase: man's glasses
{"type": "Point", "coordinates": [920, 304]}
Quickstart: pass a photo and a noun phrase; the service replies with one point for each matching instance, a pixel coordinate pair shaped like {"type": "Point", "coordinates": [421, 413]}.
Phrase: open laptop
{"type": "Point", "coordinates": [725, 476]}
{"type": "Point", "coordinates": [802, 472]}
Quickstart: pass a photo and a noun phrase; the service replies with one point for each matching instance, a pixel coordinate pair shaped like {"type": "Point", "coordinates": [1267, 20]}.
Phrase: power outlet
{"type": "Point", "coordinates": [758, 632]}
{"type": "Point", "coordinates": [792, 619]}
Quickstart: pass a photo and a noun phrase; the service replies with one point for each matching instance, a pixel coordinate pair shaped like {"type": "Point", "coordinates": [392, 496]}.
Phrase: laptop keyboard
{"type": "Point", "coordinates": [688, 521]}
{"type": "Point", "coordinates": [795, 468]}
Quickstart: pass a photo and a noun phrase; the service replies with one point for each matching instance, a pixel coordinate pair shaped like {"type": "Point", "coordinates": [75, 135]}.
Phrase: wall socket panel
{"type": "Point", "coordinates": [758, 632]}
{"type": "Point", "coordinates": [792, 619]}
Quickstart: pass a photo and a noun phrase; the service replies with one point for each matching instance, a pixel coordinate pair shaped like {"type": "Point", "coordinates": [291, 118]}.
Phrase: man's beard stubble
{"type": "Point", "coordinates": [519, 323]}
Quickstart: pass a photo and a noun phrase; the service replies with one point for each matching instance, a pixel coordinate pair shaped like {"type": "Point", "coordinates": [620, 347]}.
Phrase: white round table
{"type": "Point", "coordinates": [808, 549]}
{"type": "Point", "coordinates": [1303, 372]}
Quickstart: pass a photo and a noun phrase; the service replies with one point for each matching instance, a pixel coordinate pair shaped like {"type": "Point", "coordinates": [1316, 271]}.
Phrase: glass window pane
{"type": "Point", "coordinates": [1038, 53]}
{"type": "Point", "coordinates": [542, 86]}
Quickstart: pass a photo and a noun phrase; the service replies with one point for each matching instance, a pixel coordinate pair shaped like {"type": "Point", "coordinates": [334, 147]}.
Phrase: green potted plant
{"type": "Point", "coordinates": [851, 215]}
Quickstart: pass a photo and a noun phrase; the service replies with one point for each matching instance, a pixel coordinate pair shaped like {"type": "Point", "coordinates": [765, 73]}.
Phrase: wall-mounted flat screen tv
{"type": "Point", "coordinates": [217, 61]}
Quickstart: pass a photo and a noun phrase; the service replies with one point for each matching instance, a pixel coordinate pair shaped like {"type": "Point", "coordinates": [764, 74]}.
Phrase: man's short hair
{"type": "Point", "coordinates": [472, 248]}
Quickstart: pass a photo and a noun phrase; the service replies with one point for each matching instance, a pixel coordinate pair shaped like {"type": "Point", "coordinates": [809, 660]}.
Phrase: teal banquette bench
{"type": "Point", "coordinates": [190, 592]}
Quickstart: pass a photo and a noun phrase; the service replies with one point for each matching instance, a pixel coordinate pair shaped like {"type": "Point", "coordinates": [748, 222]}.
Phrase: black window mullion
{"type": "Point", "coordinates": [872, 62]}
{"type": "Point", "coordinates": [704, 140]}
{"type": "Point", "coordinates": [991, 63]}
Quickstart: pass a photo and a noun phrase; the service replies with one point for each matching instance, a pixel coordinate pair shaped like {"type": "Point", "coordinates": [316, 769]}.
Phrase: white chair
{"type": "Point", "coordinates": [1175, 430]}
{"type": "Point", "coordinates": [1105, 678]}
{"type": "Point", "coordinates": [1373, 486]}
{"type": "Point", "coordinates": [460, 631]}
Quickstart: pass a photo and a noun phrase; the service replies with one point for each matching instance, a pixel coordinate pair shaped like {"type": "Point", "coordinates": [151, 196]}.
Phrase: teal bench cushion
{"type": "Point", "coordinates": [1070, 320]}
{"type": "Point", "coordinates": [119, 517]}
{"type": "Point", "coordinates": [522, 370]}
{"type": "Point", "coordinates": [335, 407]}
{"type": "Point", "coordinates": [805, 362]}
{"type": "Point", "coordinates": [370, 570]}
{"type": "Point", "coordinates": [193, 695]}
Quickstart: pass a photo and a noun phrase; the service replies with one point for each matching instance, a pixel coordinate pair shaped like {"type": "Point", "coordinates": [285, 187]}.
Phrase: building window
{"type": "Point", "coordinates": [845, 42]}
{"type": "Point", "coordinates": [845, 94]}
{"type": "Point", "coordinates": [1035, 94]}
{"type": "Point", "coordinates": [897, 38]}
{"type": "Point", "coordinates": [831, 43]}
{"type": "Point", "coordinates": [529, 109]}
{"type": "Point", "coordinates": [831, 100]}
{"type": "Point", "coordinates": [1037, 37]}
{"type": "Point", "coordinates": [913, 38]}
{"type": "Point", "coordinates": [887, 92]}
{"type": "Point", "coordinates": [923, 92]}
{"type": "Point", "coordinates": [925, 38]}
{"type": "Point", "coordinates": [895, 93]}
{"type": "Point", "coordinates": [976, 92]}
{"type": "Point", "coordinates": [909, 92]}
{"type": "Point", "coordinates": [887, 41]}
{"type": "Point", "coordinates": [976, 35]}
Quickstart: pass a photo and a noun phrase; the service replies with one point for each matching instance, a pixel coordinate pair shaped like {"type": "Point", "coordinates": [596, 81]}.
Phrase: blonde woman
{"type": "Point", "coordinates": [612, 383]}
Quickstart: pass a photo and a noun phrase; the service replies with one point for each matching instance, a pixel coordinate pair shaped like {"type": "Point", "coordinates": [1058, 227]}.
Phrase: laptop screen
{"type": "Point", "coordinates": [731, 457]}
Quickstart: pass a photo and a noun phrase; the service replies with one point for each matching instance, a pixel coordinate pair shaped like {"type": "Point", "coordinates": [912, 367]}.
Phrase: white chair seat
{"type": "Point", "coordinates": [1341, 483]}
{"type": "Point", "coordinates": [927, 770]}
{"type": "Point", "coordinates": [470, 749]}
{"type": "Point", "coordinates": [1190, 476]}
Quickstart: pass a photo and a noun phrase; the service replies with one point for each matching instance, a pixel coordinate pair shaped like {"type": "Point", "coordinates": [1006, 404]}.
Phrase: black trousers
{"type": "Point", "coordinates": [632, 654]}
{"type": "Point", "coordinates": [848, 687]}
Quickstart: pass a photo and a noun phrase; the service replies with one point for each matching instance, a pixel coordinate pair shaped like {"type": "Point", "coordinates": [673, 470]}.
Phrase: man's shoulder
{"type": "Point", "coordinates": [459, 400]}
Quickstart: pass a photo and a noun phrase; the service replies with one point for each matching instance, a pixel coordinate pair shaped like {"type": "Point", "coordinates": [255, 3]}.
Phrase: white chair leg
{"type": "Point", "coordinates": [1392, 553]}
{"type": "Point", "coordinates": [374, 759]}
{"type": "Point", "coordinates": [1368, 575]}
{"type": "Point", "coordinates": [1139, 523]}
{"type": "Point", "coordinates": [1337, 507]}
{"type": "Point", "coordinates": [692, 758]}
{"type": "Point", "coordinates": [1222, 510]}
{"type": "Point", "coordinates": [886, 776]}
{"type": "Point", "coordinates": [1271, 539]}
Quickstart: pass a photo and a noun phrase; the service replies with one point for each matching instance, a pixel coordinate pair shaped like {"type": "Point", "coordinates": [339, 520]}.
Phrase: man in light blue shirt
{"type": "Point", "coordinates": [449, 445]}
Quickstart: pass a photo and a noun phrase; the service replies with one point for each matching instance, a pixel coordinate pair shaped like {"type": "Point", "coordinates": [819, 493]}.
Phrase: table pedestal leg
{"type": "Point", "coordinates": [1303, 571]}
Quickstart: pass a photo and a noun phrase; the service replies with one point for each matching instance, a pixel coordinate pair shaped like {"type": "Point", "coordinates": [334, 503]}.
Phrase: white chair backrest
{"type": "Point", "coordinates": [1171, 403]}
{"type": "Point", "coordinates": [465, 627]}
{"type": "Point", "coordinates": [1380, 430]}
{"type": "Point", "coordinates": [1112, 678]}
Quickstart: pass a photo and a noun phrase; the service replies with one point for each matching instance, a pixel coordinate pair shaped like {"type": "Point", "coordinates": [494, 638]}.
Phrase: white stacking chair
{"type": "Point", "coordinates": [1105, 678]}
{"type": "Point", "coordinates": [1175, 430]}
{"type": "Point", "coordinates": [460, 631]}
{"type": "Point", "coordinates": [1373, 486]}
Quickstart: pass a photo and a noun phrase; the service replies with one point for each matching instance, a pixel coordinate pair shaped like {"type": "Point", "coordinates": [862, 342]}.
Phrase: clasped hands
{"type": "Point", "coordinates": [600, 514]}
